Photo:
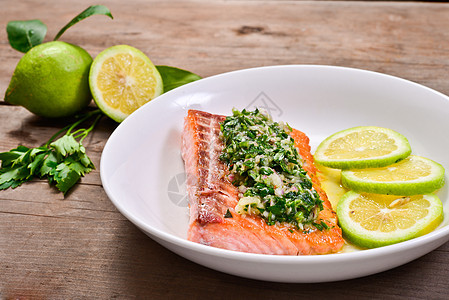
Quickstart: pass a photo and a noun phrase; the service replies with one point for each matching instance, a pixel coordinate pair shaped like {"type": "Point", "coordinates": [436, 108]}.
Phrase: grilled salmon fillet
{"type": "Point", "coordinates": [212, 196]}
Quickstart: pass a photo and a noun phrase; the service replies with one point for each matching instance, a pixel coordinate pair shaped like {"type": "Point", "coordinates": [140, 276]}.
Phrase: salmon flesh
{"type": "Point", "coordinates": [212, 199]}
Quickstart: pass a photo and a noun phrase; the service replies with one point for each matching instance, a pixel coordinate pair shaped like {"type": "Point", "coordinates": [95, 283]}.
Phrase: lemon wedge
{"type": "Point", "coordinates": [122, 79]}
{"type": "Point", "coordinates": [362, 147]}
{"type": "Point", "coordinates": [373, 220]}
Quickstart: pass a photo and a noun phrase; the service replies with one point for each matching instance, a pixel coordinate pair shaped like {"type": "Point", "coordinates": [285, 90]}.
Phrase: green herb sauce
{"type": "Point", "coordinates": [267, 169]}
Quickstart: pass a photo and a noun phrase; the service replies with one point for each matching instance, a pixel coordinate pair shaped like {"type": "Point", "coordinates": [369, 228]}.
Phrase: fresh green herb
{"type": "Point", "coordinates": [90, 11]}
{"type": "Point", "coordinates": [321, 226]}
{"type": "Point", "coordinates": [173, 77]}
{"type": "Point", "coordinates": [62, 161]}
{"type": "Point", "coordinates": [267, 168]}
{"type": "Point", "coordinates": [24, 35]}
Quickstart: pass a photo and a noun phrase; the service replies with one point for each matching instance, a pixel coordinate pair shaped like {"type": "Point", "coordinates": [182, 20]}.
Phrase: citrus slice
{"type": "Point", "coordinates": [122, 79]}
{"type": "Point", "coordinates": [372, 220]}
{"type": "Point", "coordinates": [411, 176]}
{"type": "Point", "coordinates": [362, 147]}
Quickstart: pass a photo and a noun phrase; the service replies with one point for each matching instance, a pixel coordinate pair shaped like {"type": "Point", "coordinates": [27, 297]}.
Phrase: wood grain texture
{"type": "Point", "coordinates": [81, 247]}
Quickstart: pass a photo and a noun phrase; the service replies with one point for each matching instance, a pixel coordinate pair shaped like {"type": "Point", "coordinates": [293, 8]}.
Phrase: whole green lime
{"type": "Point", "coordinates": [52, 80]}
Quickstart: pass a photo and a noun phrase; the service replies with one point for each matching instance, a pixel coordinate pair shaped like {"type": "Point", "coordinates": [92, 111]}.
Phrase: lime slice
{"type": "Point", "coordinates": [411, 176]}
{"type": "Point", "coordinates": [362, 147]}
{"type": "Point", "coordinates": [122, 79]}
{"type": "Point", "coordinates": [372, 220]}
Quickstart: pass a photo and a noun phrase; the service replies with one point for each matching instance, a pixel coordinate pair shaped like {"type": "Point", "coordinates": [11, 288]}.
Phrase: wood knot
{"type": "Point", "coordinates": [250, 29]}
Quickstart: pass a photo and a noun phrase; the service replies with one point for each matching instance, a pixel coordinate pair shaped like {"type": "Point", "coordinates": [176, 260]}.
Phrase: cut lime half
{"type": "Point", "coordinates": [372, 220]}
{"type": "Point", "coordinates": [122, 79]}
{"type": "Point", "coordinates": [362, 147]}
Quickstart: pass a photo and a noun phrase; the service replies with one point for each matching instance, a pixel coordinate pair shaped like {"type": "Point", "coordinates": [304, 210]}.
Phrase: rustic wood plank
{"type": "Point", "coordinates": [80, 246]}
{"type": "Point", "coordinates": [402, 39]}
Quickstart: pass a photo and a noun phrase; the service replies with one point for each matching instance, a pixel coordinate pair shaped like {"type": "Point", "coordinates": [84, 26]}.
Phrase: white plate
{"type": "Point", "coordinates": [142, 170]}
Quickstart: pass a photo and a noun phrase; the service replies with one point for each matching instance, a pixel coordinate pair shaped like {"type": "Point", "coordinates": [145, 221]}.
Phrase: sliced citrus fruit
{"type": "Point", "coordinates": [372, 220]}
{"type": "Point", "coordinates": [362, 147]}
{"type": "Point", "coordinates": [122, 79]}
{"type": "Point", "coordinates": [411, 176]}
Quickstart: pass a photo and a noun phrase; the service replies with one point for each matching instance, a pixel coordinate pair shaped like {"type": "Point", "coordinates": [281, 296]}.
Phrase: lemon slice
{"type": "Point", "coordinates": [362, 147]}
{"type": "Point", "coordinates": [122, 79]}
{"type": "Point", "coordinates": [412, 176]}
{"type": "Point", "coordinates": [372, 220]}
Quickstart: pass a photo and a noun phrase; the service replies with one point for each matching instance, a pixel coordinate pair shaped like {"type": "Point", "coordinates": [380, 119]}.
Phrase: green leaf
{"type": "Point", "coordinates": [66, 163]}
{"type": "Point", "coordinates": [20, 148]}
{"type": "Point", "coordinates": [173, 77]}
{"type": "Point", "coordinates": [37, 163]}
{"type": "Point", "coordinates": [66, 145]}
{"type": "Point", "coordinates": [91, 10]}
{"type": "Point", "coordinates": [64, 176]}
{"type": "Point", "coordinates": [9, 157]}
{"type": "Point", "coordinates": [61, 171]}
{"type": "Point", "coordinates": [13, 177]}
{"type": "Point", "coordinates": [23, 159]}
{"type": "Point", "coordinates": [49, 164]}
{"type": "Point", "coordinates": [85, 160]}
{"type": "Point", "coordinates": [73, 163]}
{"type": "Point", "coordinates": [38, 150]}
{"type": "Point", "coordinates": [19, 165]}
{"type": "Point", "coordinates": [24, 35]}
{"type": "Point", "coordinates": [11, 184]}
{"type": "Point", "coordinates": [67, 181]}
{"type": "Point", "coordinates": [28, 157]}
{"type": "Point", "coordinates": [8, 174]}
{"type": "Point", "coordinates": [67, 172]}
{"type": "Point", "coordinates": [79, 168]}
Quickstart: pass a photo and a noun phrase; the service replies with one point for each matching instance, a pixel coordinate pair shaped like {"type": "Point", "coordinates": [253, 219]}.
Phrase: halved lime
{"type": "Point", "coordinates": [411, 176]}
{"type": "Point", "coordinates": [372, 220]}
{"type": "Point", "coordinates": [122, 79]}
{"type": "Point", "coordinates": [362, 147]}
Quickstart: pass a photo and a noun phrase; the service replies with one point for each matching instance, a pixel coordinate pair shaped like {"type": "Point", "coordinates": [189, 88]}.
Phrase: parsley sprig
{"type": "Point", "coordinates": [62, 162]}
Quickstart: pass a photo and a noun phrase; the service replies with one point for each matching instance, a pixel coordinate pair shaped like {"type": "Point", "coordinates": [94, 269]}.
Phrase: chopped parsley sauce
{"type": "Point", "coordinates": [267, 169]}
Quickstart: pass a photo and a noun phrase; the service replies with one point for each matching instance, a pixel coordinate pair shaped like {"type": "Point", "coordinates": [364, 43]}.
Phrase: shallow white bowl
{"type": "Point", "coordinates": [142, 170]}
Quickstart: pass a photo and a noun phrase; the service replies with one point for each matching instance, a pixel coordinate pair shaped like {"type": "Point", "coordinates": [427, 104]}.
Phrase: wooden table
{"type": "Point", "coordinates": [80, 246]}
